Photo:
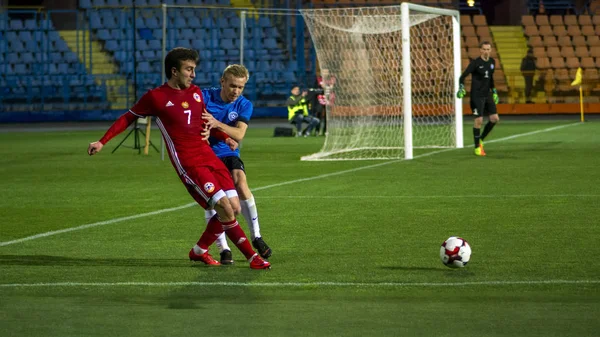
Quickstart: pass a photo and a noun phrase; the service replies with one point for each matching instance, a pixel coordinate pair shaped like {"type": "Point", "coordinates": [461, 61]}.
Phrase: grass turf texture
{"type": "Point", "coordinates": [355, 251]}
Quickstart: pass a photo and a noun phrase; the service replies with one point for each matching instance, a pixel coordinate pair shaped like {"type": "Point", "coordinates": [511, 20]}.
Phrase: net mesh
{"type": "Point", "coordinates": [360, 56]}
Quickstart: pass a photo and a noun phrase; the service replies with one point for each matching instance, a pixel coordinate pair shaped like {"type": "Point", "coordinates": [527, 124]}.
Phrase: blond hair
{"type": "Point", "coordinates": [236, 70]}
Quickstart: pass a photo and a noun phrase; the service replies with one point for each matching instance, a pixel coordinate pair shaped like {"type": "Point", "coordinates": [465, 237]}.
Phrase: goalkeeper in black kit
{"type": "Point", "coordinates": [484, 96]}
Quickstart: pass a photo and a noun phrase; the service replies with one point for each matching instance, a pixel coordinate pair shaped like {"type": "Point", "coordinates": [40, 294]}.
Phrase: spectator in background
{"type": "Point", "coordinates": [528, 68]}
{"type": "Point", "coordinates": [326, 81]}
{"type": "Point", "coordinates": [298, 112]}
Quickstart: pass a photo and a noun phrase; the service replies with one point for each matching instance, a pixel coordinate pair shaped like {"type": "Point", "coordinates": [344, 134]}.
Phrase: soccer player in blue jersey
{"type": "Point", "coordinates": [230, 112]}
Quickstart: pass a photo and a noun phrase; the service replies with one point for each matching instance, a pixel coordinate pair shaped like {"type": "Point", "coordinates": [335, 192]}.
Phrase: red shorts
{"type": "Point", "coordinates": [208, 184]}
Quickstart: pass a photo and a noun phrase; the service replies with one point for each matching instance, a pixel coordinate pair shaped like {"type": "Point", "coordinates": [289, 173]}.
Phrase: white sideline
{"type": "Point", "coordinates": [298, 284]}
{"type": "Point", "coordinates": [166, 210]}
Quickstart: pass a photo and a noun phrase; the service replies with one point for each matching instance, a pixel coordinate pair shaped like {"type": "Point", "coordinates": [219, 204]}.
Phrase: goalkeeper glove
{"type": "Point", "coordinates": [495, 96]}
{"type": "Point", "coordinates": [461, 91]}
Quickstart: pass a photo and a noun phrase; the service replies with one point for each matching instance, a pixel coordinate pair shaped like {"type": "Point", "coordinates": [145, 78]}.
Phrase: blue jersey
{"type": "Point", "coordinates": [226, 113]}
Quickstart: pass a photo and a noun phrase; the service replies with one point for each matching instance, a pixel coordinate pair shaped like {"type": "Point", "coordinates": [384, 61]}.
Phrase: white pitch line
{"type": "Point", "coordinates": [166, 210]}
{"type": "Point", "coordinates": [298, 284]}
{"type": "Point", "coordinates": [430, 196]}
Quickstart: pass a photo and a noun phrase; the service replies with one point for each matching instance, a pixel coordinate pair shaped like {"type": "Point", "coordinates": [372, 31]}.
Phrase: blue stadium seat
{"type": "Point", "coordinates": [98, 3]}
{"type": "Point", "coordinates": [271, 43]}
{"type": "Point", "coordinates": [111, 45]}
{"type": "Point", "coordinates": [155, 45]}
{"type": "Point", "coordinates": [198, 44]}
{"type": "Point", "coordinates": [27, 58]}
{"type": "Point", "coordinates": [85, 4]}
{"type": "Point", "coordinates": [11, 35]}
{"type": "Point", "coordinates": [12, 58]}
{"type": "Point", "coordinates": [264, 21]}
{"type": "Point", "coordinates": [149, 55]}
{"type": "Point", "coordinates": [227, 44]}
{"type": "Point", "coordinates": [229, 33]}
{"type": "Point", "coordinates": [16, 45]}
{"type": "Point", "coordinates": [31, 24]}
{"type": "Point", "coordinates": [187, 34]}
{"type": "Point", "coordinates": [95, 22]}
{"type": "Point", "coordinates": [21, 69]}
{"type": "Point", "coordinates": [16, 24]}
{"type": "Point", "coordinates": [70, 57]}
{"type": "Point", "coordinates": [194, 22]}
{"type": "Point", "coordinates": [141, 45]}
{"type": "Point", "coordinates": [153, 23]}
{"type": "Point", "coordinates": [103, 34]}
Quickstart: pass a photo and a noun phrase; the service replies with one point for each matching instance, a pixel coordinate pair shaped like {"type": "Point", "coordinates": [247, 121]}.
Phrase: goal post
{"type": "Point", "coordinates": [393, 72]}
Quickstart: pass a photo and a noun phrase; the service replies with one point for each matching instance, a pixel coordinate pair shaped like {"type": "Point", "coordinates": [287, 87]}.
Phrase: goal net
{"type": "Point", "coordinates": [393, 74]}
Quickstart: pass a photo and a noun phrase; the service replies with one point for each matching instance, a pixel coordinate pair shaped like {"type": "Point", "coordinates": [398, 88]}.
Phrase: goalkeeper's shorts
{"type": "Point", "coordinates": [483, 106]}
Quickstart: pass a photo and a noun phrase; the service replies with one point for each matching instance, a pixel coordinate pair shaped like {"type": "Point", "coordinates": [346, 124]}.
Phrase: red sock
{"type": "Point", "coordinates": [237, 236]}
{"type": "Point", "coordinates": [214, 228]}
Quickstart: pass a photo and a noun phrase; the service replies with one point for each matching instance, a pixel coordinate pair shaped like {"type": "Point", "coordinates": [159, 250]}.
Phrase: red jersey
{"type": "Point", "coordinates": [179, 117]}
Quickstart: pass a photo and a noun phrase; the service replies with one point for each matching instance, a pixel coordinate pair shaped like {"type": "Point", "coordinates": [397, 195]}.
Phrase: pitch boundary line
{"type": "Point", "coordinates": [166, 210]}
{"type": "Point", "coordinates": [298, 284]}
{"type": "Point", "coordinates": [432, 196]}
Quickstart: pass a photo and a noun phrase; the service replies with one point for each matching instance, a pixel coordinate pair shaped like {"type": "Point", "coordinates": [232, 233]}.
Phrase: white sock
{"type": "Point", "coordinates": [251, 215]}
{"type": "Point", "coordinates": [199, 250]}
{"type": "Point", "coordinates": [222, 239]}
{"type": "Point", "coordinates": [222, 243]}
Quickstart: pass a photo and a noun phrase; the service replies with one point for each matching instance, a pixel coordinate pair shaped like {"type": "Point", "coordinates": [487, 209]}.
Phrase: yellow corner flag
{"type": "Point", "coordinates": [578, 77]}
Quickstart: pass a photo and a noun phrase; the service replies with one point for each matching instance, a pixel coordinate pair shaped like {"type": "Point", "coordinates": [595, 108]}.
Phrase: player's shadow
{"type": "Point", "coordinates": [49, 260]}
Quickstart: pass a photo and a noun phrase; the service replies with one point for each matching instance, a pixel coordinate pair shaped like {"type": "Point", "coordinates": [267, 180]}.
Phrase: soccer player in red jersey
{"type": "Point", "coordinates": [178, 106]}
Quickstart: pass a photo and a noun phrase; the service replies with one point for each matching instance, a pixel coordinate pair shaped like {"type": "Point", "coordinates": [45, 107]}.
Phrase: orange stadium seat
{"type": "Point", "coordinates": [564, 41]}
{"type": "Point", "coordinates": [567, 51]}
{"type": "Point", "coordinates": [595, 52]}
{"type": "Point", "coordinates": [559, 31]}
{"type": "Point", "coordinates": [587, 62]}
{"type": "Point", "coordinates": [484, 32]}
{"type": "Point", "coordinates": [546, 30]}
{"type": "Point", "coordinates": [539, 52]}
{"type": "Point", "coordinates": [550, 41]}
{"type": "Point", "coordinates": [581, 51]}
{"type": "Point", "coordinates": [468, 31]}
{"type": "Point", "coordinates": [542, 20]}
{"type": "Point", "coordinates": [531, 31]}
{"type": "Point", "coordinates": [571, 20]}
{"type": "Point", "coordinates": [587, 30]}
{"type": "Point", "coordinates": [465, 20]}
{"type": "Point", "coordinates": [472, 41]}
{"type": "Point", "coordinates": [557, 62]}
{"type": "Point", "coordinates": [579, 41]}
{"type": "Point", "coordinates": [553, 52]}
{"type": "Point", "coordinates": [556, 20]}
{"type": "Point", "coordinates": [585, 20]}
{"type": "Point", "coordinates": [479, 20]}
{"type": "Point", "coordinates": [543, 63]}
{"type": "Point", "coordinates": [528, 20]}
{"type": "Point", "coordinates": [596, 18]}
{"type": "Point", "coordinates": [536, 41]}
{"type": "Point", "coordinates": [573, 30]}
{"type": "Point", "coordinates": [593, 40]}
{"type": "Point", "coordinates": [572, 63]}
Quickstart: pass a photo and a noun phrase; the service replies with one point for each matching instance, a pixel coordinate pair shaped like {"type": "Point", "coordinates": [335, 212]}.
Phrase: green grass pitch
{"type": "Point", "coordinates": [356, 244]}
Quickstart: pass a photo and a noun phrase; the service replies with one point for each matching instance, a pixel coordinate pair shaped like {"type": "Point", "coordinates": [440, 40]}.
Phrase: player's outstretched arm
{"type": "Point", "coordinates": [118, 126]}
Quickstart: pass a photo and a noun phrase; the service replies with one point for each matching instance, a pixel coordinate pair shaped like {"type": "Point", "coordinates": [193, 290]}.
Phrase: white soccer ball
{"type": "Point", "coordinates": [455, 252]}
